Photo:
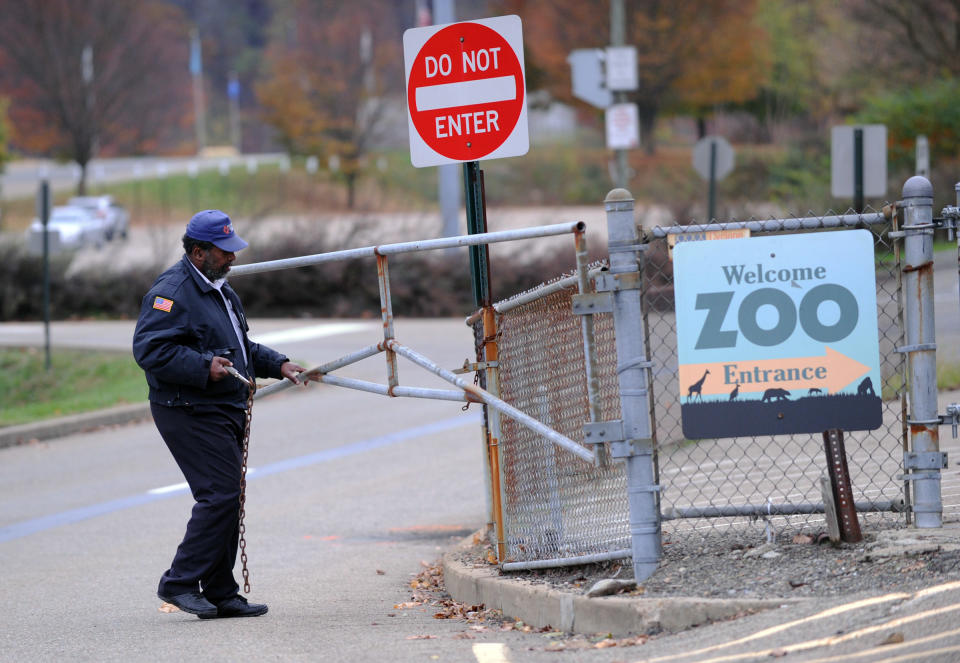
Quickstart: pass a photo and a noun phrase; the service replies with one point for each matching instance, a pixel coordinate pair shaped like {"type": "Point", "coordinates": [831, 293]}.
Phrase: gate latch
{"type": "Point", "coordinates": [923, 465]}
{"type": "Point", "coordinates": [952, 416]}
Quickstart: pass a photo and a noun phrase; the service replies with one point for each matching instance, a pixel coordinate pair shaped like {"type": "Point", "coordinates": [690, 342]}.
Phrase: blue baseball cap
{"type": "Point", "coordinates": [212, 225]}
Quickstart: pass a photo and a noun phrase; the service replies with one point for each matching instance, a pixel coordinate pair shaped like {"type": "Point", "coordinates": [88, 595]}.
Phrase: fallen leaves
{"type": "Point", "coordinates": [894, 638]}
{"type": "Point", "coordinates": [604, 642]}
{"type": "Point", "coordinates": [407, 605]}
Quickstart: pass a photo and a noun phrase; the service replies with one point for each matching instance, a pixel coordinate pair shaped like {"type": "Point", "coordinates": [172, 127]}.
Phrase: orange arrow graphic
{"type": "Point", "coordinates": [830, 372]}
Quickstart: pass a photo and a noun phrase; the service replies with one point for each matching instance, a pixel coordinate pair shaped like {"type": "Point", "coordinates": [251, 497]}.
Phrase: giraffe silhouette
{"type": "Point", "coordinates": [735, 392]}
{"type": "Point", "coordinates": [697, 386]}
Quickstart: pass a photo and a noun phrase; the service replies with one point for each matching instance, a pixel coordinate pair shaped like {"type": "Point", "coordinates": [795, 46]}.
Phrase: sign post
{"type": "Point", "coordinates": [43, 211]}
{"type": "Point", "coordinates": [777, 335]}
{"type": "Point", "coordinates": [713, 160]}
{"type": "Point", "coordinates": [858, 162]}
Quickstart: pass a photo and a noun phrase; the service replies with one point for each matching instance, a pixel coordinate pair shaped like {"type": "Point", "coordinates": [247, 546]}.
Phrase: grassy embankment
{"type": "Point", "coordinates": [78, 381]}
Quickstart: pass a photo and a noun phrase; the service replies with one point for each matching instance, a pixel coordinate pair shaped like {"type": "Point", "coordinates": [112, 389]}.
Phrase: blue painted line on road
{"type": "Point", "coordinates": [28, 527]}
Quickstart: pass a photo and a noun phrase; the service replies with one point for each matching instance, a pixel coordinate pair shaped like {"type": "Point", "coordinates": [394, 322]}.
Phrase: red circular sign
{"type": "Point", "coordinates": [465, 91]}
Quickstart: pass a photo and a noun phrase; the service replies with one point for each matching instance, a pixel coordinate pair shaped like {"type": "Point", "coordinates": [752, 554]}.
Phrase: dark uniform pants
{"type": "Point", "coordinates": [206, 441]}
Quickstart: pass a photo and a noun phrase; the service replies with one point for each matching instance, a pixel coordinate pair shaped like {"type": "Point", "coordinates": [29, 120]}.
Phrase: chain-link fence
{"type": "Point", "coordinates": [557, 507]}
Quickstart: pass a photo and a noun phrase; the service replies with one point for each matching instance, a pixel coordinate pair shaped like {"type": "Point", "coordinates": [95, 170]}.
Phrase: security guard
{"type": "Point", "coordinates": [191, 328]}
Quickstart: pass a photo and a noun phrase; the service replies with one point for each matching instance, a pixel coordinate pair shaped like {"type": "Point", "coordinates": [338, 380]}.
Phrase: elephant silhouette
{"type": "Point", "coordinates": [865, 388]}
{"type": "Point", "coordinates": [775, 394]}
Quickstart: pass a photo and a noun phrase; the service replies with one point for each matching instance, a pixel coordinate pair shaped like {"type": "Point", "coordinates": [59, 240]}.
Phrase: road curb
{"type": "Point", "coordinates": [78, 423]}
{"type": "Point", "coordinates": [540, 606]}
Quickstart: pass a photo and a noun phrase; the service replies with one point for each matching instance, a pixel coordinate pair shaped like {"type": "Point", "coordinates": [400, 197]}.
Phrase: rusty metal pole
{"type": "Point", "coordinates": [491, 355]}
{"type": "Point", "coordinates": [386, 311]}
{"type": "Point", "coordinates": [924, 462]}
{"type": "Point", "coordinates": [842, 490]}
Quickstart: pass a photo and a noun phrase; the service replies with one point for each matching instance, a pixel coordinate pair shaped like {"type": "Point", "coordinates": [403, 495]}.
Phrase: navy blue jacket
{"type": "Point", "coordinates": [183, 324]}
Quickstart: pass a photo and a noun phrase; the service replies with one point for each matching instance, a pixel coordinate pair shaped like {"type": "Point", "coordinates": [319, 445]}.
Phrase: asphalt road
{"type": "Point", "coordinates": [349, 493]}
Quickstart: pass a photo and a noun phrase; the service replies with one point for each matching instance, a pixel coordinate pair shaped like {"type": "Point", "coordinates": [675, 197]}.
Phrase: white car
{"type": "Point", "coordinates": [76, 226]}
{"type": "Point", "coordinates": [115, 217]}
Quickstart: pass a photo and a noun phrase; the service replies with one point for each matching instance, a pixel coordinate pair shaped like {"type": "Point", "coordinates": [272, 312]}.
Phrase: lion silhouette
{"type": "Point", "coordinates": [775, 394]}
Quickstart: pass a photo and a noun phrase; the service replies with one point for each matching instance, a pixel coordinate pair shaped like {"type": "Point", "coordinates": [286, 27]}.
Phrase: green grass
{"type": "Point", "coordinates": [78, 381]}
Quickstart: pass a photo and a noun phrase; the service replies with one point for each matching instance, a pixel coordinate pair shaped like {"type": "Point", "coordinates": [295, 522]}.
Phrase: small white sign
{"type": "Point", "coordinates": [623, 127]}
{"type": "Point", "coordinates": [874, 160]}
{"type": "Point", "coordinates": [923, 156]}
{"type": "Point", "coordinates": [622, 68]}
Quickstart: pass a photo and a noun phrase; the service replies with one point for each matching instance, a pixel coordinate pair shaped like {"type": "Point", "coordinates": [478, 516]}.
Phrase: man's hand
{"type": "Point", "coordinates": [292, 371]}
{"type": "Point", "coordinates": [217, 368]}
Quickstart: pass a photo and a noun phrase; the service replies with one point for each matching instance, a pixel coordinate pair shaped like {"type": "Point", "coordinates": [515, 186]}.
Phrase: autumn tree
{"type": "Point", "coordinates": [917, 39]}
{"type": "Point", "coordinates": [690, 55]}
{"type": "Point", "coordinates": [331, 68]}
{"type": "Point", "coordinates": [94, 76]}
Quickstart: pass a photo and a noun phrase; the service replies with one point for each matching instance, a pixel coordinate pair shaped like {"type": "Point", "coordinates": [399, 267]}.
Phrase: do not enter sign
{"type": "Point", "coordinates": [466, 98]}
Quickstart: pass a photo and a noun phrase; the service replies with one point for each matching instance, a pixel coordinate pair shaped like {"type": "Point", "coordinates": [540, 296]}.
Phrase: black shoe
{"type": "Point", "coordinates": [237, 607]}
{"type": "Point", "coordinates": [193, 603]}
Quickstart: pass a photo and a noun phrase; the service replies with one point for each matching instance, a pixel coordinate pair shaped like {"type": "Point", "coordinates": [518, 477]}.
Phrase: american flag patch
{"type": "Point", "coordinates": [163, 304]}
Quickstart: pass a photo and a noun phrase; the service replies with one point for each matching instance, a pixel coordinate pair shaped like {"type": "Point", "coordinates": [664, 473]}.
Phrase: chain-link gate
{"type": "Point", "coordinates": [559, 510]}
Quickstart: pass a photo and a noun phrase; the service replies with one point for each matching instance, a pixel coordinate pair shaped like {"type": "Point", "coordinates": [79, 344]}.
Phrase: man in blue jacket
{"type": "Point", "coordinates": [191, 328]}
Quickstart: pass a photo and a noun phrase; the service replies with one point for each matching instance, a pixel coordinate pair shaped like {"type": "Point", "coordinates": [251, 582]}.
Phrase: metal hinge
{"type": "Point", "coordinates": [470, 367]}
{"type": "Point", "coordinates": [925, 460]}
{"type": "Point", "coordinates": [610, 282]}
{"type": "Point", "coordinates": [590, 303]}
{"type": "Point", "coordinates": [598, 432]}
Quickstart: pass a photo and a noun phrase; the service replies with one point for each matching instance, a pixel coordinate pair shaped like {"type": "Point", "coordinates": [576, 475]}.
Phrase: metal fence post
{"type": "Point", "coordinates": [924, 462]}
{"type": "Point", "coordinates": [633, 376]}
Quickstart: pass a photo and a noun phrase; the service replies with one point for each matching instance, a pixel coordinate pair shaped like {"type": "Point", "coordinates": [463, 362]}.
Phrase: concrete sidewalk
{"type": "Point", "coordinates": [540, 605]}
{"type": "Point", "coordinates": [78, 423]}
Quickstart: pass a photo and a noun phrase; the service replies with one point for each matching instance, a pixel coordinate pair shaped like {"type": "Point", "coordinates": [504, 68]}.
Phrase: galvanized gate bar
{"type": "Point", "coordinates": [399, 390]}
{"type": "Point", "coordinates": [484, 396]}
{"type": "Point", "coordinates": [410, 247]}
{"type": "Point", "coordinates": [330, 366]}
{"type": "Point", "coordinates": [770, 225]}
{"type": "Point", "coordinates": [771, 509]}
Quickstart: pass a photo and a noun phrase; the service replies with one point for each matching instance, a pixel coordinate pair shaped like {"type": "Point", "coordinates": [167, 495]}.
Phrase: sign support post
{"type": "Point", "coordinates": [44, 213]}
{"type": "Point", "coordinates": [712, 195]}
{"type": "Point", "coordinates": [476, 205]}
{"type": "Point", "coordinates": [618, 38]}
{"type": "Point", "coordinates": [858, 170]}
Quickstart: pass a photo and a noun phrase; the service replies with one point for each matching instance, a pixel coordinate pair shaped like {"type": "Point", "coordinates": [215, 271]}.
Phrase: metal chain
{"type": "Point", "coordinates": [243, 485]}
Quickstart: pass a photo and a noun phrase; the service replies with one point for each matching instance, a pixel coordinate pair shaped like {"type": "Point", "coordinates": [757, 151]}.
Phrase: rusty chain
{"type": "Point", "coordinates": [243, 487]}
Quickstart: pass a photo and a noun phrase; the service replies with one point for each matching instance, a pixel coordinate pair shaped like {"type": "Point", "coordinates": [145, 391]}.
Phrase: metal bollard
{"type": "Point", "coordinates": [636, 445]}
{"type": "Point", "coordinates": [924, 462]}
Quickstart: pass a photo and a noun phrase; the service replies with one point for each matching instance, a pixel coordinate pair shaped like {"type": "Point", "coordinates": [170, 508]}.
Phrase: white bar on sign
{"type": "Point", "coordinates": [466, 93]}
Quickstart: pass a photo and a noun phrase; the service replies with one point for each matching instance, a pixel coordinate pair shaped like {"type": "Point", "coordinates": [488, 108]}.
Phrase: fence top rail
{"type": "Point", "coordinates": [411, 247]}
{"type": "Point", "coordinates": [770, 225]}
